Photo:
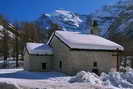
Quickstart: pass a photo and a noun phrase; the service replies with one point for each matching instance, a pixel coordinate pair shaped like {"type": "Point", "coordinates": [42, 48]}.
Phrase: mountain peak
{"type": "Point", "coordinates": [63, 11]}
{"type": "Point", "coordinates": [67, 20]}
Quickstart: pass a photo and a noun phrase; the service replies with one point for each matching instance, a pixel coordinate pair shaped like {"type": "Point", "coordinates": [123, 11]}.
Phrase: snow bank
{"type": "Point", "coordinates": [116, 79]}
{"type": "Point", "coordinates": [128, 76]}
{"type": "Point", "coordinates": [8, 85]}
{"type": "Point", "coordinates": [86, 77]}
{"type": "Point", "coordinates": [10, 64]}
{"type": "Point", "coordinates": [6, 71]}
{"type": "Point", "coordinates": [112, 80]}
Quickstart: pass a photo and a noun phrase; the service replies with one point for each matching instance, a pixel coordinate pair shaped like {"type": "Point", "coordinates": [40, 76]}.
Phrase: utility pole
{"type": "Point", "coordinates": [118, 59]}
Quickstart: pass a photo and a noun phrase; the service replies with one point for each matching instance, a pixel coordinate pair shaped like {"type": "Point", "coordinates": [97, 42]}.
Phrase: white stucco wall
{"type": "Point", "coordinates": [26, 61]}
{"type": "Point", "coordinates": [34, 62]}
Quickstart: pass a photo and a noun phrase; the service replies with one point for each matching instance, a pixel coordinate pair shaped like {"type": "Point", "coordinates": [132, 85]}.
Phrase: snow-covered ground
{"type": "Point", "coordinates": [11, 63]}
{"type": "Point", "coordinates": [20, 79]}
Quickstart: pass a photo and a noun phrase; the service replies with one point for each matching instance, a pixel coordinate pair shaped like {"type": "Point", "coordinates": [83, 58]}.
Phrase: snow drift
{"type": "Point", "coordinates": [8, 85]}
{"type": "Point", "coordinates": [86, 77]}
{"type": "Point", "coordinates": [111, 80]}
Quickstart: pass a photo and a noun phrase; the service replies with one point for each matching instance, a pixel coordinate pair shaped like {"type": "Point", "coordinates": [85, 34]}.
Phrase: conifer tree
{"type": "Point", "coordinates": [94, 28]}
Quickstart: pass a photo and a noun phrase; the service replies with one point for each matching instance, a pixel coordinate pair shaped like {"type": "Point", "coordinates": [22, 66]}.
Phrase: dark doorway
{"type": "Point", "coordinates": [95, 68]}
{"type": "Point", "coordinates": [95, 64]}
{"type": "Point", "coordinates": [44, 66]}
{"type": "Point", "coordinates": [60, 64]}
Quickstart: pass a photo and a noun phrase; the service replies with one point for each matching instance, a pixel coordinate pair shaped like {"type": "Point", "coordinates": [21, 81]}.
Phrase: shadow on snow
{"type": "Point", "coordinates": [31, 75]}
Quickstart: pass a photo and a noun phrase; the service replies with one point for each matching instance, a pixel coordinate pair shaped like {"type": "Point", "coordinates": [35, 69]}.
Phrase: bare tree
{"type": "Point", "coordinates": [5, 38]}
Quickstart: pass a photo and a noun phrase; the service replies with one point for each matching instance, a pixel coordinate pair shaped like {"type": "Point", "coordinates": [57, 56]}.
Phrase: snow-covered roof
{"type": "Point", "coordinates": [86, 41]}
{"type": "Point", "coordinates": [39, 48]}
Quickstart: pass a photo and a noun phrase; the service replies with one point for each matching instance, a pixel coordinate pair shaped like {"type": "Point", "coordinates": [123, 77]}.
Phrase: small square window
{"type": "Point", "coordinates": [95, 64]}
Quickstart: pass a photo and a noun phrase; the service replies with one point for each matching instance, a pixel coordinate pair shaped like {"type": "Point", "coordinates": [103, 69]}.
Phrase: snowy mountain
{"type": "Point", "coordinates": [67, 17]}
{"type": "Point", "coordinates": [117, 17]}
{"type": "Point", "coordinates": [71, 21]}
{"type": "Point", "coordinates": [44, 21]}
{"type": "Point", "coordinates": [106, 16]}
{"type": "Point", "coordinates": [121, 28]}
{"type": "Point", "coordinates": [66, 20]}
{"type": "Point", "coordinates": [123, 22]}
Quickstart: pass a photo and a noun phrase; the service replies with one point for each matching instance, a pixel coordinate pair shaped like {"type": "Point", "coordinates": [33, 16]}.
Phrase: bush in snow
{"type": "Point", "coordinates": [86, 77]}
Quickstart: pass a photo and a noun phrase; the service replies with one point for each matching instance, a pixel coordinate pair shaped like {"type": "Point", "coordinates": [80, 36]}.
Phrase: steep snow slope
{"type": "Point", "coordinates": [44, 22]}
{"type": "Point", "coordinates": [66, 20]}
{"type": "Point", "coordinates": [71, 21]}
{"type": "Point", "coordinates": [69, 17]}
{"type": "Point", "coordinates": [108, 15]}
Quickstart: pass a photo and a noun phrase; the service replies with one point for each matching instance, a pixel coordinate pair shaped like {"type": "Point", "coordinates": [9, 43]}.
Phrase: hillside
{"type": "Point", "coordinates": [121, 29]}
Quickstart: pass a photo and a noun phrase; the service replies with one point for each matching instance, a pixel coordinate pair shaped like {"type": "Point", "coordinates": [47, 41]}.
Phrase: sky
{"type": "Point", "coordinates": [28, 10]}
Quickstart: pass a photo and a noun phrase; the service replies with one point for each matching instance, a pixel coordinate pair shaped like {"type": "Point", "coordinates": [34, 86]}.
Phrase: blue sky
{"type": "Point", "coordinates": [27, 10]}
